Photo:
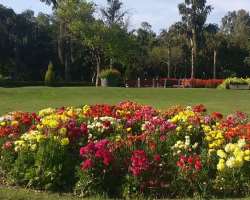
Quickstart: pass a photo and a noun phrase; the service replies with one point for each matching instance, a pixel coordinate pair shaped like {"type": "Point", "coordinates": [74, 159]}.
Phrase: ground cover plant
{"type": "Point", "coordinates": [127, 150]}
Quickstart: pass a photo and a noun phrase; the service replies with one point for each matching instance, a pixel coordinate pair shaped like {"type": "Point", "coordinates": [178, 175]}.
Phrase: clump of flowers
{"type": "Point", "coordinates": [139, 162]}
{"type": "Point", "coordinates": [190, 163]}
{"type": "Point", "coordinates": [233, 155]}
{"type": "Point", "coordinates": [93, 152]}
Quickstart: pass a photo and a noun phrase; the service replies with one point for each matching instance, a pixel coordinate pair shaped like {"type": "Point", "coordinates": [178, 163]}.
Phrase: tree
{"type": "Point", "coordinates": [194, 14]}
{"type": "Point", "coordinates": [213, 39]}
{"type": "Point", "coordinates": [113, 16]}
{"type": "Point", "coordinates": [49, 2]}
{"type": "Point", "coordinates": [236, 24]}
{"type": "Point", "coordinates": [113, 13]}
{"type": "Point", "coordinates": [50, 75]}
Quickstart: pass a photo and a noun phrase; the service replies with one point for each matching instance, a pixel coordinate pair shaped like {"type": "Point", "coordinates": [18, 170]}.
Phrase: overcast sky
{"type": "Point", "coordinates": [159, 13]}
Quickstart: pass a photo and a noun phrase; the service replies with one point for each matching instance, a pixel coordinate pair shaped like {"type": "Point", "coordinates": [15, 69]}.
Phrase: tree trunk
{"type": "Point", "coordinates": [67, 67]}
{"type": "Point", "coordinates": [98, 62]}
{"type": "Point", "coordinates": [193, 54]}
{"type": "Point", "coordinates": [192, 63]}
{"type": "Point", "coordinates": [67, 60]}
{"type": "Point", "coordinates": [111, 63]}
{"type": "Point", "coordinates": [169, 61]}
{"type": "Point", "coordinates": [215, 64]}
{"type": "Point", "coordinates": [61, 43]}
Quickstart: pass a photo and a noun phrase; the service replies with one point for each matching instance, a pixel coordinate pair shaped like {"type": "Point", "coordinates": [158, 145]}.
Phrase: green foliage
{"type": "Point", "coordinates": [50, 167]}
{"type": "Point", "coordinates": [112, 76]}
{"type": "Point", "coordinates": [50, 75]}
{"type": "Point", "coordinates": [234, 81]}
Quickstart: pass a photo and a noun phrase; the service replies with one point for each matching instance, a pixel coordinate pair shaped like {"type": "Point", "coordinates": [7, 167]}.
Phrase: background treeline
{"type": "Point", "coordinates": [80, 44]}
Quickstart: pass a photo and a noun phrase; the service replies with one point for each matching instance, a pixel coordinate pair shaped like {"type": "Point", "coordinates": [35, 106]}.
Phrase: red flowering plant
{"type": "Point", "coordinates": [98, 173]}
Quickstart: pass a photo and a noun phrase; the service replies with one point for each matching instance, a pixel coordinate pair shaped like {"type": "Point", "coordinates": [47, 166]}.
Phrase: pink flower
{"type": "Point", "coordinates": [87, 164]}
{"type": "Point", "coordinates": [139, 162]}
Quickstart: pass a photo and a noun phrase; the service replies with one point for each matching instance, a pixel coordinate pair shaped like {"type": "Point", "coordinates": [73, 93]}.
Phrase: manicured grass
{"type": "Point", "coordinates": [35, 98]}
{"type": "Point", "coordinates": [24, 194]}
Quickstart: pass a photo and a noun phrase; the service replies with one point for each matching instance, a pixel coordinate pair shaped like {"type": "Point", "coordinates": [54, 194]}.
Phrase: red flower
{"type": "Point", "coordinates": [7, 145]}
{"type": "Point", "coordinates": [216, 116]}
{"type": "Point", "coordinates": [157, 158]}
{"type": "Point", "coordinates": [87, 164]}
{"type": "Point", "coordinates": [199, 108]}
{"type": "Point", "coordinates": [84, 129]}
{"type": "Point", "coordinates": [198, 165]}
{"type": "Point", "coordinates": [139, 162]}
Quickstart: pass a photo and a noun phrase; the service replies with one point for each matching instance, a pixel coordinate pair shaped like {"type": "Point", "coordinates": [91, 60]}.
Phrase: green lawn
{"type": "Point", "coordinates": [24, 194]}
{"type": "Point", "coordinates": [35, 98]}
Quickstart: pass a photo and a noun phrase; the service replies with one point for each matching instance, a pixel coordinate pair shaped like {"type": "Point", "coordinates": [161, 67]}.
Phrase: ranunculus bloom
{"type": "Point", "coordinates": [87, 164]}
{"type": "Point", "coordinates": [139, 162]}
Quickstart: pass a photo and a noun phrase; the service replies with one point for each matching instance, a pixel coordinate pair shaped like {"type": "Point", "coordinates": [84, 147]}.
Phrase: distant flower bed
{"type": "Point", "coordinates": [127, 150]}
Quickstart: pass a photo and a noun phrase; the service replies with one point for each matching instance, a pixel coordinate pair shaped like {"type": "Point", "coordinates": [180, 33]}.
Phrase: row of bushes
{"type": "Point", "coordinates": [200, 83]}
{"type": "Point", "coordinates": [127, 151]}
{"type": "Point", "coordinates": [10, 83]}
{"type": "Point", "coordinates": [172, 82]}
{"type": "Point", "coordinates": [234, 81]}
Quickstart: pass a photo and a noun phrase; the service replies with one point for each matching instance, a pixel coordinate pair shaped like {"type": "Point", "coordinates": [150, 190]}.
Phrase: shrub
{"type": "Point", "coordinates": [50, 75]}
{"type": "Point", "coordinates": [233, 81]}
{"type": "Point", "coordinates": [112, 76]}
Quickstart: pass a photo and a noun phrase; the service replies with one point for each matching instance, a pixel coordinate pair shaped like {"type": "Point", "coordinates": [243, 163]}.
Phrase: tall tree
{"type": "Point", "coordinates": [213, 39]}
{"type": "Point", "coordinates": [49, 2]}
{"type": "Point", "coordinates": [113, 16]}
{"type": "Point", "coordinates": [113, 13]}
{"type": "Point", "coordinates": [194, 14]}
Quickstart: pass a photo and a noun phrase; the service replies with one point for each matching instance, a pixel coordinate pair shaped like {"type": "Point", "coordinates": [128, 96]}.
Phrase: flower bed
{"type": "Point", "coordinates": [127, 150]}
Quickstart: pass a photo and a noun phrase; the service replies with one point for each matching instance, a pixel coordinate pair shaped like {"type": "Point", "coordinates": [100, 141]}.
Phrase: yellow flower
{"type": "Point", "coordinates": [2, 123]}
{"type": "Point", "coordinates": [85, 109]}
{"type": "Point", "coordinates": [231, 162]}
{"type": "Point", "coordinates": [221, 154]}
{"type": "Point", "coordinates": [129, 129]}
{"type": "Point", "coordinates": [247, 152]}
{"type": "Point", "coordinates": [229, 147]}
{"type": "Point", "coordinates": [179, 128]}
{"type": "Point", "coordinates": [33, 147]}
{"type": "Point", "coordinates": [221, 165]}
{"type": "Point", "coordinates": [65, 141]}
{"type": "Point", "coordinates": [14, 123]}
{"type": "Point", "coordinates": [247, 158]}
{"type": "Point", "coordinates": [62, 131]}
{"type": "Point", "coordinates": [117, 138]}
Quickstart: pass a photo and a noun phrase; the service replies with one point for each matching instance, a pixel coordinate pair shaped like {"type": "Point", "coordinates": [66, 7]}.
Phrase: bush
{"type": "Point", "coordinates": [50, 75]}
{"type": "Point", "coordinates": [111, 76]}
{"type": "Point", "coordinates": [233, 81]}
{"type": "Point", "coordinates": [9, 84]}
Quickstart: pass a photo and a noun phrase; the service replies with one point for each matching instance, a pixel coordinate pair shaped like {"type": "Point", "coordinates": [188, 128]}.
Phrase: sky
{"type": "Point", "coordinates": [159, 13]}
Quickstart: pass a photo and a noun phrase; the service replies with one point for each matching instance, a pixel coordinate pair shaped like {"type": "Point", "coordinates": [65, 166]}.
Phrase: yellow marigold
{"type": "Point", "coordinates": [64, 141]}
{"type": "Point", "coordinates": [129, 129]}
{"type": "Point", "coordinates": [14, 123]}
{"type": "Point", "coordinates": [62, 131]}
{"type": "Point", "coordinates": [221, 165]}
{"type": "Point", "coordinates": [46, 111]}
{"type": "Point", "coordinates": [85, 109]}
{"type": "Point", "coordinates": [221, 154]}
